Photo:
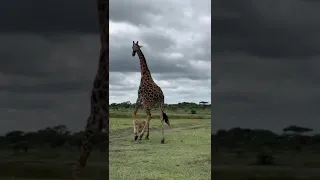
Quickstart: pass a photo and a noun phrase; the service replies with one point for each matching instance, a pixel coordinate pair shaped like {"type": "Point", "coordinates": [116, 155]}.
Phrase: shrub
{"type": "Point", "coordinates": [193, 111]}
{"type": "Point", "coordinates": [265, 159]}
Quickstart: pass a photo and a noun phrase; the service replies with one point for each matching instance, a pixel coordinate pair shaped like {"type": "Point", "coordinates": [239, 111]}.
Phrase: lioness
{"type": "Point", "coordinates": [140, 125]}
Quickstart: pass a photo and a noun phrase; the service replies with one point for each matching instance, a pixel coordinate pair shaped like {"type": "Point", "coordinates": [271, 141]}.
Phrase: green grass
{"type": "Point", "coordinates": [264, 173]}
{"type": "Point", "coordinates": [288, 165]}
{"type": "Point", "coordinates": [49, 164]}
{"type": "Point", "coordinates": [176, 114]}
{"type": "Point", "coordinates": [185, 155]}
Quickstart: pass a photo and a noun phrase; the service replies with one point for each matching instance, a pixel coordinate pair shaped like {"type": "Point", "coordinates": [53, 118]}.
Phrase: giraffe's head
{"type": "Point", "coordinates": [135, 48]}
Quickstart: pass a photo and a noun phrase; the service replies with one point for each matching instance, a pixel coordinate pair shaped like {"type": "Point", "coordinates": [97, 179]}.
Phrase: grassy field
{"type": "Point", "coordinates": [49, 164]}
{"type": "Point", "coordinates": [185, 155]}
{"type": "Point", "coordinates": [288, 165]}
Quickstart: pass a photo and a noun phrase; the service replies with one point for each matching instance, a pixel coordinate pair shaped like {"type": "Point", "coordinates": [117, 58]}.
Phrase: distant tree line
{"type": "Point", "coordinates": [182, 105]}
{"type": "Point", "coordinates": [51, 137]}
{"type": "Point", "coordinates": [235, 139]}
{"type": "Point", "coordinates": [242, 139]}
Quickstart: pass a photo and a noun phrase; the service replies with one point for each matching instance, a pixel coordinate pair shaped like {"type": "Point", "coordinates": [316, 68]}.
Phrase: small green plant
{"type": "Point", "coordinates": [193, 111]}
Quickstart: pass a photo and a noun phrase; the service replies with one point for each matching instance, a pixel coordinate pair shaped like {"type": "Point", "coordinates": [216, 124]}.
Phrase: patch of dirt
{"type": "Point", "coordinates": [126, 150]}
{"type": "Point", "coordinates": [195, 127]}
{"type": "Point", "coordinates": [129, 131]}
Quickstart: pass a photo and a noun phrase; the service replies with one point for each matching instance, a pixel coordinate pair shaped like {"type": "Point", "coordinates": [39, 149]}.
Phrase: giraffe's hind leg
{"type": "Point", "coordinates": [162, 128]}
{"type": "Point", "coordinates": [92, 129]}
{"type": "Point", "coordinates": [163, 118]}
{"type": "Point", "coordinates": [148, 125]}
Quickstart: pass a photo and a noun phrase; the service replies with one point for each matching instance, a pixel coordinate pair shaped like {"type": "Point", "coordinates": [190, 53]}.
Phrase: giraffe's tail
{"type": "Point", "coordinates": [165, 118]}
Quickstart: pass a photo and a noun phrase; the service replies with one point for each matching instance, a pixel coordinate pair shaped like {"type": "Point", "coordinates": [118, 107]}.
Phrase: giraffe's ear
{"type": "Point", "coordinates": [140, 46]}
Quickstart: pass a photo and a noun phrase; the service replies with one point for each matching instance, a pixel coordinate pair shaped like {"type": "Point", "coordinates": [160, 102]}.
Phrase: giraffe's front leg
{"type": "Point", "coordinates": [134, 115]}
{"type": "Point", "coordinates": [91, 130]}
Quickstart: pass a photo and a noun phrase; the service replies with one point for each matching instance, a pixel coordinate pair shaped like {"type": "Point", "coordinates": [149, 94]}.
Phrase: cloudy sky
{"type": "Point", "coordinates": [49, 54]}
{"type": "Point", "coordinates": [48, 58]}
{"type": "Point", "coordinates": [175, 36]}
{"type": "Point", "coordinates": [266, 62]}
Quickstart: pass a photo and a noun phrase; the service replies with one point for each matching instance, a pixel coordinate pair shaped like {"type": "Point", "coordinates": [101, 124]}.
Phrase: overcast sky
{"type": "Point", "coordinates": [48, 58]}
{"type": "Point", "coordinates": [266, 64]}
{"type": "Point", "coordinates": [49, 54]}
{"type": "Point", "coordinates": [175, 36]}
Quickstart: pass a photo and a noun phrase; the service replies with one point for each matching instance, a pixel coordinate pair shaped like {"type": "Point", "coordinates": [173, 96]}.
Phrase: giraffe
{"type": "Point", "coordinates": [149, 94]}
{"type": "Point", "coordinates": [98, 119]}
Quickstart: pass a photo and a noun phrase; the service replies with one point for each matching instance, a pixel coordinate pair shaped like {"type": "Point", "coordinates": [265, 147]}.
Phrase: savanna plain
{"type": "Point", "coordinates": [238, 154]}
{"type": "Point", "coordinates": [258, 154]}
{"type": "Point", "coordinates": [50, 153]}
{"type": "Point", "coordinates": [184, 155]}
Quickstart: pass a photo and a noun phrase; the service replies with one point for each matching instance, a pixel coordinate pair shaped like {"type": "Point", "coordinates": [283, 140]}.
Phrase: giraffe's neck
{"type": "Point", "coordinates": [98, 119]}
{"type": "Point", "coordinates": [103, 67]}
{"type": "Point", "coordinates": [143, 65]}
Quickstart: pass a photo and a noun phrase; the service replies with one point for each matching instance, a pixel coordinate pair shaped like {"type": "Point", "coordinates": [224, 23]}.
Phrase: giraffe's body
{"type": "Point", "coordinates": [149, 94]}
{"type": "Point", "coordinates": [98, 119]}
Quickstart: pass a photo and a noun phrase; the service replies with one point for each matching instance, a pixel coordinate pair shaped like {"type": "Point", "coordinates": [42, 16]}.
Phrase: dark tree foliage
{"type": "Point", "coordinates": [257, 140]}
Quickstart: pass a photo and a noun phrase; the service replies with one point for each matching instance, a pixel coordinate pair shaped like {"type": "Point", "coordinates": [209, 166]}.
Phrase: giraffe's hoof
{"type": "Point", "coordinates": [135, 137]}
{"type": "Point", "coordinates": [140, 137]}
{"type": "Point", "coordinates": [147, 138]}
{"type": "Point", "coordinates": [162, 141]}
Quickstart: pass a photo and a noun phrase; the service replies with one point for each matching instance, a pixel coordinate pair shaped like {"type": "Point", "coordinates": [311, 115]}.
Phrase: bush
{"type": "Point", "coordinates": [193, 111]}
{"type": "Point", "coordinates": [265, 159]}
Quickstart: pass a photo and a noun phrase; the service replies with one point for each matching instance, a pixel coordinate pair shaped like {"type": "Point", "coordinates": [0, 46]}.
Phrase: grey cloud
{"type": "Point", "coordinates": [265, 64]}
{"type": "Point", "coordinates": [30, 55]}
{"type": "Point", "coordinates": [48, 59]}
{"type": "Point", "coordinates": [46, 81]}
{"type": "Point", "coordinates": [70, 86]}
{"type": "Point", "coordinates": [24, 55]}
{"type": "Point", "coordinates": [32, 112]}
{"type": "Point", "coordinates": [124, 62]}
{"type": "Point", "coordinates": [253, 28]}
{"type": "Point", "coordinates": [25, 102]}
{"type": "Point", "coordinates": [258, 93]}
{"type": "Point", "coordinates": [133, 12]}
{"type": "Point", "coordinates": [158, 42]}
{"type": "Point", "coordinates": [149, 12]}
{"type": "Point", "coordinates": [191, 76]}
{"type": "Point", "coordinates": [47, 17]}
{"type": "Point", "coordinates": [122, 88]}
